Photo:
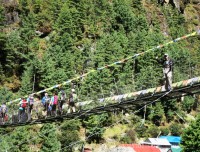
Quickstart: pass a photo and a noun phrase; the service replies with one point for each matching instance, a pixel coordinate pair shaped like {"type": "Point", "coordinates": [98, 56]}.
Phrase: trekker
{"type": "Point", "coordinates": [3, 112]}
{"type": "Point", "coordinates": [46, 101]}
{"type": "Point", "coordinates": [167, 71]}
{"type": "Point", "coordinates": [62, 99]}
{"type": "Point", "coordinates": [30, 101]}
{"type": "Point", "coordinates": [54, 103]}
{"type": "Point", "coordinates": [72, 101]}
{"type": "Point", "coordinates": [22, 108]}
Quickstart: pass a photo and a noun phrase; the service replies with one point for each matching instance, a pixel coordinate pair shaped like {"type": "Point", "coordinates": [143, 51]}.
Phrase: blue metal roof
{"type": "Point", "coordinates": [172, 139]}
{"type": "Point", "coordinates": [176, 149]}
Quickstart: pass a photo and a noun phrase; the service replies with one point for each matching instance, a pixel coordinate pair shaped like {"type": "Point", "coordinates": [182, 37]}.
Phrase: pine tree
{"type": "Point", "coordinates": [27, 81]}
{"type": "Point", "coordinates": [94, 127]}
{"type": "Point", "coordinates": [190, 137]}
{"type": "Point", "coordinates": [156, 113]}
{"type": "Point", "coordinates": [49, 138]}
{"type": "Point", "coordinates": [69, 134]}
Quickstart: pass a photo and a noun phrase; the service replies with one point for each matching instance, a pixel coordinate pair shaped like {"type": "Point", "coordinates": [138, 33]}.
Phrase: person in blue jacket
{"type": "Point", "coordinates": [46, 101]}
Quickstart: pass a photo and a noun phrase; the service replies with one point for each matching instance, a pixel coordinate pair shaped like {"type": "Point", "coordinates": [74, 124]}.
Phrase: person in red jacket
{"type": "Point", "coordinates": [54, 103]}
{"type": "Point", "coordinates": [22, 108]}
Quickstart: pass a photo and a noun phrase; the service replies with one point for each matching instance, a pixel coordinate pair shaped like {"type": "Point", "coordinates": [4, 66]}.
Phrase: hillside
{"type": "Point", "coordinates": [44, 43]}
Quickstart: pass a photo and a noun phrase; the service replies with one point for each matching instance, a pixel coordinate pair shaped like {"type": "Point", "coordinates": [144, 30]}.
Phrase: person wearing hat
{"type": "Point", "coordinates": [167, 65]}
{"type": "Point", "coordinates": [72, 101]}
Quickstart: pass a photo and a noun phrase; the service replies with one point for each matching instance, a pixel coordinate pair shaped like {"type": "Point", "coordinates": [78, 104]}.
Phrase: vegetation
{"type": "Point", "coordinates": [43, 43]}
{"type": "Point", "coordinates": [190, 137]}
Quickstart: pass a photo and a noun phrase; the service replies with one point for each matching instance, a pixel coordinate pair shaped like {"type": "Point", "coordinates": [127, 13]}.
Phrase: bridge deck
{"type": "Point", "coordinates": [137, 98]}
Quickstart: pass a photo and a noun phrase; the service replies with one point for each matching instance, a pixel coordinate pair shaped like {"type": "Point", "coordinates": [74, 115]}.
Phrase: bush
{"type": "Point", "coordinates": [164, 131]}
{"type": "Point", "coordinates": [130, 137]}
{"type": "Point", "coordinates": [141, 131]}
{"type": "Point", "coordinates": [188, 103]}
{"type": "Point", "coordinates": [157, 113]}
{"type": "Point", "coordinates": [153, 131]}
{"type": "Point", "coordinates": [176, 129]}
{"type": "Point", "coordinates": [125, 140]}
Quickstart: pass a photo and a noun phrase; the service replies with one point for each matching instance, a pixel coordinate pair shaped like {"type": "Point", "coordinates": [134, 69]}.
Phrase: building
{"type": "Point", "coordinates": [162, 144]}
{"type": "Point", "coordinates": [141, 148]}
{"type": "Point", "coordinates": [175, 149]}
{"type": "Point", "coordinates": [173, 140]}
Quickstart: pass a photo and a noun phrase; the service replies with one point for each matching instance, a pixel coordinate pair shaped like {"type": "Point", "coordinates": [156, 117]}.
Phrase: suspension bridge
{"type": "Point", "coordinates": [121, 101]}
{"type": "Point", "coordinates": [124, 101]}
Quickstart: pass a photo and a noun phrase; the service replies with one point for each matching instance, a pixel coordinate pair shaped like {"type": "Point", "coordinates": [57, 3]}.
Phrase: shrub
{"type": "Point", "coordinates": [153, 131]}
{"type": "Point", "coordinates": [130, 137]}
{"type": "Point", "coordinates": [188, 103]}
{"type": "Point", "coordinates": [164, 131]}
{"type": "Point", "coordinates": [141, 130]}
{"type": "Point", "coordinates": [176, 129]}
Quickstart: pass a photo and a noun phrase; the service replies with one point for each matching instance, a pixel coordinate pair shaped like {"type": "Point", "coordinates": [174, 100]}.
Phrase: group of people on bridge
{"type": "Point", "coordinates": [53, 105]}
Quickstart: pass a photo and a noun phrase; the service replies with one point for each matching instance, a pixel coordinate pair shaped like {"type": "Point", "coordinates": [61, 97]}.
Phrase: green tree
{"type": "Point", "coordinates": [156, 113]}
{"type": "Point", "coordinates": [69, 133]}
{"type": "Point", "coordinates": [188, 103]}
{"type": "Point", "coordinates": [2, 76]}
{"type": "Point", "coordinates": [3, 38]}
{"type": "Point", "coordinates": [49, 138]}
{"type": "Point", "coordinates": [18, 140]}
{"type": "Point", "coordinates": [190, 137]}
{"type": "Point", "coordinates": [27, 81]}
{"type": "Point", "coordinates": [94, 127]}
{"type": "Point", "coordinates": [5, 95]}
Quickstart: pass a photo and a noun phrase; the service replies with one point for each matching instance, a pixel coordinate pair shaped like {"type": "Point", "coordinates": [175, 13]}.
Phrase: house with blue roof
{"type": "Point", "coordinates": [173, 140]}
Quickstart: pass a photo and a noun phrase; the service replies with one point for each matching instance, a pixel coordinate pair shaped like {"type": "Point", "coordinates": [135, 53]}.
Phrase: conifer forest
{"type": "Point", "coordinates": [44, 43]}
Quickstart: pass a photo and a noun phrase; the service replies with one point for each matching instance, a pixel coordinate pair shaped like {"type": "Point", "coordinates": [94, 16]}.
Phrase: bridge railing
{"type": "Point", "coordinates": [39, 113]}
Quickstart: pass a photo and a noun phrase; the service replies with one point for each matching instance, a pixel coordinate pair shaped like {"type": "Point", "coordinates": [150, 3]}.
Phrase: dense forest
{"type": "Point", "coordinates": [44, 43]}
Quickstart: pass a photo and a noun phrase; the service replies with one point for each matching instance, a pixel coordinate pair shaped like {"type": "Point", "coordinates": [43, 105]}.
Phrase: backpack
{"type": "Point", "coordinates": [55, 100]}
{"type": "Point", "coordinates": [23, 105]}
